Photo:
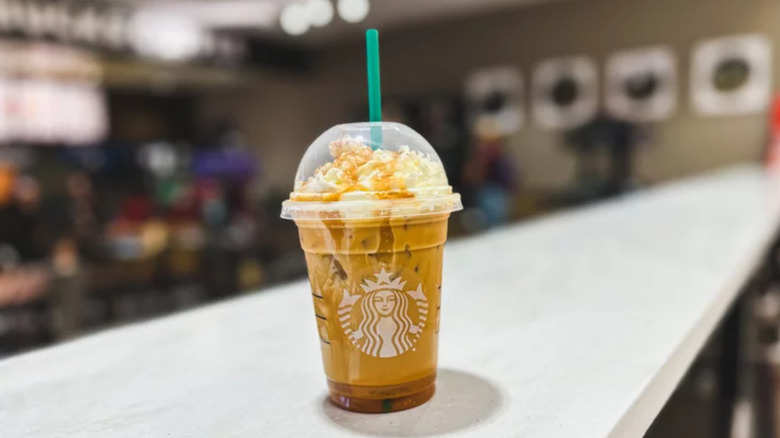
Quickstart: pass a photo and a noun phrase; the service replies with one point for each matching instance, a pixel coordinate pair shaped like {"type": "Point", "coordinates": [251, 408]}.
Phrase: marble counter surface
{"type": "Point", "coordinates": [576, 325]}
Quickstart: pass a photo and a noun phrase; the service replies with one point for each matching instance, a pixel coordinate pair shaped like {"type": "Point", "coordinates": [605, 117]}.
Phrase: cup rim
{"type": "Point", "coordinates": [371, 208]}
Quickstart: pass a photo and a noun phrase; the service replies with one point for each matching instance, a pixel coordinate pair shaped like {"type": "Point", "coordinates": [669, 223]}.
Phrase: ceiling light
{"type": "Point", "coordinates": [320, 12]}
{"type": "Point", "coordinates": [165, 36]}
{"type": "Point", "coordinates": [224, 13]}
{"type": "Point", "coordinates": [353, 11]}
{"type": "Point", "coordinates": [294, 19]}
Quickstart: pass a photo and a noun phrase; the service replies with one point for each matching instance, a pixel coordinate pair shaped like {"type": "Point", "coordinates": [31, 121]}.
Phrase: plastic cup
{"type": "Point", "coordinates": [374, 259]}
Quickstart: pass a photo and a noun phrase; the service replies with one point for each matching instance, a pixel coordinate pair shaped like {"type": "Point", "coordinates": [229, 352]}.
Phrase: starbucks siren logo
{"type": "Point", "coordinates": [380, 321]}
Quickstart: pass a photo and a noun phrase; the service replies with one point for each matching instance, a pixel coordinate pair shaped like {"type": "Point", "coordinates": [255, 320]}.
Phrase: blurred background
{"type": "Point", "coordinates": [146, 145]}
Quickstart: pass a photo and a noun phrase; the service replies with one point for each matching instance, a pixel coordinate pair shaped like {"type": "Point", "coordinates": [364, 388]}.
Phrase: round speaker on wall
{"type": "Point", "coordinates": [496, 94]}
{"type": "Point", "coordinates": [564, 92]}
{"type": "Point", "coordinates": [731, 75]}
{"type": "Point", "coordinates": [641, 84]}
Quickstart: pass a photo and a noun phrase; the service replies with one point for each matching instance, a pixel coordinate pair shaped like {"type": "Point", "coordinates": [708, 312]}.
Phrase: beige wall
{"type": "Point", "coordinates": [276, 117]}
{"type": "Point", "coordinates": [285, 114]}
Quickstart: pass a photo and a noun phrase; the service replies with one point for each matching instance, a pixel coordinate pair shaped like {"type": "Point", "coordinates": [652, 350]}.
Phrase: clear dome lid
{"type": "Point", "coordinates": [369, 170]}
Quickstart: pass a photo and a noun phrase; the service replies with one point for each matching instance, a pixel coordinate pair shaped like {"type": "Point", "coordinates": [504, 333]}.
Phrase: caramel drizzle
{"type": "Point", "coordinates": [352, 162]}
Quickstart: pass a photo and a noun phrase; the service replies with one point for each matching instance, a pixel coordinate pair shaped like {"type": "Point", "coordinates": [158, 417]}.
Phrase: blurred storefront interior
{"type": "Point", "coordinates": [146, 146]}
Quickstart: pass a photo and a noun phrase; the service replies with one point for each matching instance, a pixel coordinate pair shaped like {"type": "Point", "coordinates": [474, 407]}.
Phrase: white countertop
{"type": "Point", "coordinates": [577, 325]}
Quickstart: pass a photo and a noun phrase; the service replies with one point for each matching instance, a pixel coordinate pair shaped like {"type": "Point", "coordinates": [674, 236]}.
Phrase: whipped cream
{"type": "Point", "coordinates": [358, 172]}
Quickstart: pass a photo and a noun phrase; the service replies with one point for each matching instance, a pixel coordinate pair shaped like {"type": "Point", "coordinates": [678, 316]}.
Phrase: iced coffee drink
{"type": "Point", "coordinates": [372, 220]}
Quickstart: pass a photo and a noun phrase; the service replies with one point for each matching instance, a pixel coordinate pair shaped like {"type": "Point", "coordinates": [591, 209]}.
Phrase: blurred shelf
{"type": "Point", "coordinates": [164, 77]}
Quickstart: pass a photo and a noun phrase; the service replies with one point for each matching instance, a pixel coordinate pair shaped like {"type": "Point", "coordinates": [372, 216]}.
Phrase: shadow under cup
{"type": "Point", "coordinates": [376, 287]}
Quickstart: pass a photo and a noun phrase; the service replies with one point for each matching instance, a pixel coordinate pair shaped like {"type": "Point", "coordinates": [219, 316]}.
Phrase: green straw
{"type": "Point", "coordinates": [374, 89]}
